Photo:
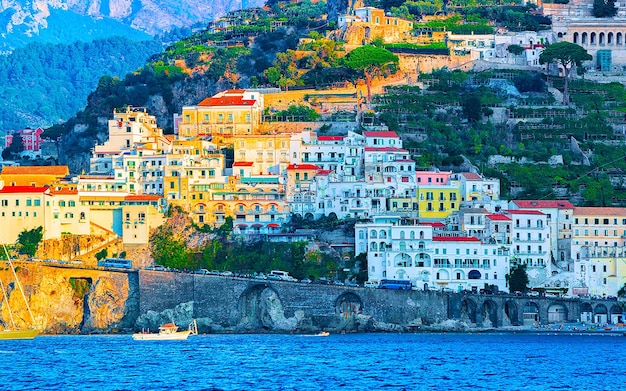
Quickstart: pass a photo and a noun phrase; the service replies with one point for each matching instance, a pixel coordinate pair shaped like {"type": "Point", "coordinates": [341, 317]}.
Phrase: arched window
{"type": "Point", "coordinates": [401, 234]}
{"type": "Point", "coordinates": [583, 38]}
{"type": "Point", "coordinates": [576, 37]}
{"type": "Point", "coordinates": [592, 39]}
{"type": "Point", "coordinates": [618, 38]}
{"type": "Point", "coordinates": [609, 39]}
{"type": "Point", "coordinates": [421, 234]}
{"type": "Point", "coordinates": [601, 38]}
{"type": "Point", "coordinates": [412, 235]}
{"type": "Point", "coordinates": [374, 235]}
{"type": "Point", "coordinates": [361, 234]}
{"type": "Point", "coordinates": [373, 246]}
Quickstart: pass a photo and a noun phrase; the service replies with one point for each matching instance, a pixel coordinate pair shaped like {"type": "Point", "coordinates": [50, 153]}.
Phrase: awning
{"type": "Point", "coordinates": [257, 225]}
{"type": "Point", "coordinates": [242, 225]}
{"type": "Point", "coordinates": [273, 225]}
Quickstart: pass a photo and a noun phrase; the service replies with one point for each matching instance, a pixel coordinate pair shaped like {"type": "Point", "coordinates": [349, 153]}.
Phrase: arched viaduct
{"type": "Point", "coordinates": [232, 302]}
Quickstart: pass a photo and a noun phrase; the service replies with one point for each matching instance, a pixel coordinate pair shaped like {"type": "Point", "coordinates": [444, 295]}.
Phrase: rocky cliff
{"type": "Point", "coordinates": [69, 301]}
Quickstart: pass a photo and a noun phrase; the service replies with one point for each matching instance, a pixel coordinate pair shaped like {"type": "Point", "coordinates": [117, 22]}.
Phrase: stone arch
{"type": "Point", "coordinates": [618, 38]}
{"type": "Point", "coordinates": [348, 304]}
{"type": "Point", "coordinates": [490, 313]}
{"type": "Point", "coordinates": [583, 38]}
{"type": "Point", "coordinates": [600, 314]}
{"type": "Point", "coordinates": [576, 37]}
{"type": "Point", "coordinates": [586, 312]}
{"type": "Point", "coordinates": [530, 314]}
{"type": "Point", "coordinates": [592, 38]}
{"type": "Point", "coordinates": [609, 38]}
{"type": "Point", "coordinates": [332, 215]}
{"type": "Point", "coordinates": [260, 307]}
{"type": "Point", "coordinates": [474, 275]}
{"type": "Point", "coordinates": [559, 34]}
{"type": "Point", "coordinates": [468, 310]}
{"type": "Point", "coordinates": [309, 216]}
{"type": "Point", "coordinates": [601, 38]}
{"type": "Point", "coordinates": [511, 313]}
{"type": "Point", "coordinates": [443, 274]}
{"type": "Point", "coordinates": [557, 313]}
{"type": "Point", "coordinates": [615, 314]}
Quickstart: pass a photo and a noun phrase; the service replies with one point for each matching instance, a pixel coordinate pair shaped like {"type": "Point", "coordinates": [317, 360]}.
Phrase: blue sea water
{"type": "Point", "coordinates": [338, 362]}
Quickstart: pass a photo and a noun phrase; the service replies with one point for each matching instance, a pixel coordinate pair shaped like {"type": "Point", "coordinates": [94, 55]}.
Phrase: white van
{"type": "Point", "coordinates": [280, 275]}
{"type": "Point", "coordinates": [371, 284]}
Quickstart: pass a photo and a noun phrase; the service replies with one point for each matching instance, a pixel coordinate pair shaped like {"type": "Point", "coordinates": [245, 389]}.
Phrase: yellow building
{"type": "Point", "coordinates": [376, 24]}
{"type": "Point", "coordinates": [224, 115]}
{"type": "Point", "coordinates": [33, 175]}
{"type": "Point", "coordinates": [141, 214]}
{"type": "Point", "coordinates": [268, 152]}
{"type": "Point", "coordinates": [30, 207]}
{"type": "Point", "coordinates": [599, 249]}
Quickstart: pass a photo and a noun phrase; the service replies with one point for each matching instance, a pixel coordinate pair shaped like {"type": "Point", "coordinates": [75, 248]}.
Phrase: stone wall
{"type": "Point", "coordinates": [70, 300]}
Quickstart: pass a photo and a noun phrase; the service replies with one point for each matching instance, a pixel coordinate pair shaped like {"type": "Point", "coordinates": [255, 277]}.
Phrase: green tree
{"type": "Point", "coordinates": [604, 8]}
{"type": "Point", "coordinates": [515, 49]}
{"type": "Point", "coordinates": [568, 55]}
{"type": "Point", "coordinates": [472, 108]}
{"type": "Point", "coordinates": [169, 251]}
{"type": "Point", "coordinates": [622, 291]}
{"type": "Point", "coordinates": [372, 61]}
{"type": "Point", "coordinates": [517, 279]}
{"type": "Point", "coordinates": [28, 241]}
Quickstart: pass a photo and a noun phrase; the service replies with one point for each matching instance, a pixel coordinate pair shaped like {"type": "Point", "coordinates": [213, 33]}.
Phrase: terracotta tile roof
{"type": "Point", "coordinates": [455, 239]}
{"type": "Point", "coordinates": [388, 134]}
{"type": "Point", "coordinates": [498, 217]}
{"type": "Point", "coordinates": [470, 176]}
{"type": "Point", "coordinates": [227, 101]}
{"type": "Point", "coordinates": [599, 211]}
{"type": "Point", "coordinates": [529, 204]}
{"type": "Point", "coordinates": [35, 170]}
{"type": "Point", "coordinates": [23, 189]}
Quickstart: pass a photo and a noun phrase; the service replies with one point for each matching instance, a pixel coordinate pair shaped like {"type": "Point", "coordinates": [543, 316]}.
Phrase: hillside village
{"type": "Point", "coordinates": [439, 228]}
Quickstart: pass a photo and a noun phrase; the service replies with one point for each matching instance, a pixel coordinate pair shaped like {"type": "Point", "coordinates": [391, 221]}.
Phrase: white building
{"type": "Point", "coordinates": [530, 244]}
{"type": "Point", "coordinates": [402, 249]}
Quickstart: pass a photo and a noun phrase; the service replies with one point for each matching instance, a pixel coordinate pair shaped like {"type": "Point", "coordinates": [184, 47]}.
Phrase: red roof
{"type": "Point", "coordinates": [227, 101]}
{"type": "Point", "coordinates": [455, 239]}
{"type": "Point", "coordinates": [388, 134]}
{"type": "Point", "coordinates": [142, 197]}
{"type": "Point", "coordinates": [435, 224]}
{"type": "Point", "coordinates": [524, 212]}
{"type": "Point", "coordinates": [530, 204]}
{"type": "Point", "coordinates": [242, 164]}
{"type": "Point", "coordinates": [23, 189]}
{"type": "Point", "coordinates": [273, 225]}
{"type": "Point", "coordinates": [302, 167]}
{"type": "Point", "coordinates": [470, 176]}
{"type": "Point", "coordinates": [498, 217]}
{"type": "Point", "coordinates": [330, 138]}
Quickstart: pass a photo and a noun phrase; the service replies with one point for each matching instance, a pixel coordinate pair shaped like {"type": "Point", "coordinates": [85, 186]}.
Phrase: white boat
{"type": "Point", "coordinates": [168, 332]}
{"type": "Point", "coordinates": [12, 331]}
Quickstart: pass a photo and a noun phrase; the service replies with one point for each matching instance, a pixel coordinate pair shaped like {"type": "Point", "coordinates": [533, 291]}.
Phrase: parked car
{"type": "Point", "coordinates": [306, 281]}
{"type": "Point", "coordinates": [226, 274]}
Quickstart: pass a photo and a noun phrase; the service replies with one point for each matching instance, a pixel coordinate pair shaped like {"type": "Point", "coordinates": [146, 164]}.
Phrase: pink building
{"type": "Point", "coordinates": [31, 139]}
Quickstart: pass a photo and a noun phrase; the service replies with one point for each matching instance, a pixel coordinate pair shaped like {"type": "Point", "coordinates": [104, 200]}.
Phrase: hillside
{"type": "Point", "coordinates": [22, 22]}
{"type": "Point", "coordinates": [58, 87]}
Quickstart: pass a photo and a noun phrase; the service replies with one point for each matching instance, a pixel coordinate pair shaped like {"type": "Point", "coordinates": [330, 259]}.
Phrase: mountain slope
{"type": "Point", "coordinates": [21, 20]}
